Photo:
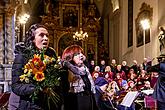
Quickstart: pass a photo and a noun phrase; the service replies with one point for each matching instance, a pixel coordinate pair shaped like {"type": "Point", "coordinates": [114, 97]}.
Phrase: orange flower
{"type": "Point", "coordinates": [36, 61]}
{"type": "Point", "coordinates": [36, 58]}
{"type": "Point", "coordinates": [39, 76]}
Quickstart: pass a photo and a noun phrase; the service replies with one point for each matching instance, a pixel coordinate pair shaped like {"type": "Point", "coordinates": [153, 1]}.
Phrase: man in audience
{"type": "Point", "coordinates": [102, 66]}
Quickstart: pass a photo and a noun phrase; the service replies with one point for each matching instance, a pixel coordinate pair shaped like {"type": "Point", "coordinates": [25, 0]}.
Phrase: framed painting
{"type": "Point", "coordinates": [146, 12]}
{"type": "Point", "coordinates": [70, 16]}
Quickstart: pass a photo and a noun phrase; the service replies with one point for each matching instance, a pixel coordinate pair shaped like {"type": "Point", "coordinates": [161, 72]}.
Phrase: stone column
{"type": "Point", "coordinates": [9, 35]}
{"type": "Point", "coordinates": [1, 38]}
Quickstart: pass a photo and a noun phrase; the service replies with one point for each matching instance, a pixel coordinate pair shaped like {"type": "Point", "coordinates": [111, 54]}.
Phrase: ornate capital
{"type": "Point", "coordinates": [10, 10]}
{"type": "Point", "coordinates": [50, 21]}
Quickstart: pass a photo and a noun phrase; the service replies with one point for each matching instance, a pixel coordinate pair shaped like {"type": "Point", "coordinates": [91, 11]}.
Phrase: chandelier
{"type": "Point", "coordinates": [80, 35]}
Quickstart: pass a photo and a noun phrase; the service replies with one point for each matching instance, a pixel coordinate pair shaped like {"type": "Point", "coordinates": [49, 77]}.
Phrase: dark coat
{"type": "Point", "coordinates": [83, 100]}
{"type": "Point", "coordinates": [14, 99]}
{"type": "Point", "coordinates": [159, 92]}
{"type": "Point", "coordinates": [24, 90]}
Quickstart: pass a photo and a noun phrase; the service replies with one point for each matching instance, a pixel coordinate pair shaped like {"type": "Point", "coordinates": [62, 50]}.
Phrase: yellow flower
{"type": "Point", "coordinates": [45, 61]}
{"type": "Point", "coordinates": [22, 77]}
{"type": "Point", "coordinates": [25, 70]}
{"type": "Point", "coordinates": [27, 80]}
{"type": "Point", "coordinates": [39, 76]}
{"type": "Point", "coordinates": [29, 73]}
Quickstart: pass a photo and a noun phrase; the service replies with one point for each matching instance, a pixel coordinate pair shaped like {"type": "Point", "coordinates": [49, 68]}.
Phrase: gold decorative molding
{"type": "Point", "coordinates": [50, 21]}
{"type": "Point", "coordinates": [9, 10]}
{"type": "Point", "coordinates": [91, 23]}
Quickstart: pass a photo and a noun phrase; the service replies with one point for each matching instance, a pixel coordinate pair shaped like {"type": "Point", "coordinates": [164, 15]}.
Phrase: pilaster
{"type": "Point", "coordinates": [1, 38]}
{"type": "Point", "coordinates": [9, 34]}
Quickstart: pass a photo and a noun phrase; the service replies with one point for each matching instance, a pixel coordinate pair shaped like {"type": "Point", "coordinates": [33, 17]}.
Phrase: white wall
{"type": "Point", "coordinates": [152, 48]}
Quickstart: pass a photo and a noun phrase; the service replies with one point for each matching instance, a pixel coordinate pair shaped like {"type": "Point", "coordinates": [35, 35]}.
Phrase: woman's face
{"type": "Point", "coordinates": [96, 75]}
{"type": "Point", "coordinates": [118, 76]}
{"type": "Point", "coordinates": [78, 58]}
{"type": "Point", "coordinates": [108, 69]}
{"type": "Point", "coordinates": [41, 39]}
{"type": "Point", "coordinates": [97, 68]}
{"type": "Point", "coordinates": [118, 67]}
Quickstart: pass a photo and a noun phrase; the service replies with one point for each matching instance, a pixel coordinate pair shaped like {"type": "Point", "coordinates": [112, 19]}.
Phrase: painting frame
{"type": "Point", "coordinates": [146, 12]}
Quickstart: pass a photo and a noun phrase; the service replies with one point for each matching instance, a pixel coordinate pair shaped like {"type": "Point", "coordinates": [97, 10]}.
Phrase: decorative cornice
{"type": "Point", "coordinates": [10, 10]}
{"type": "Point", "coordinates": [51, 21]}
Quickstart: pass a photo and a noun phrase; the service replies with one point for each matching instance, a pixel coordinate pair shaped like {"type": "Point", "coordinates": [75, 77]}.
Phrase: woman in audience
{"type": "Point", "coordinates": [132, 86]}
{"type": "Point", "coordinates": [141, 79]}
{"type": "Point", "coordinates": [108, 75]}
{"type": "Point", "coordinates": [113, 90]}
{"type": "Point", "coordinates": [97, 70]}
{"type": "Point", "coordinates": [119, 80]}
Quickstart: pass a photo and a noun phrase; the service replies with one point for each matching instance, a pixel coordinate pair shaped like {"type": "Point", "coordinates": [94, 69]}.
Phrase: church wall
{"type": "Point", "coordinates": [126, 53]}
{"type": "Point", "coordinates": [152, 47]}
{"type": "Point", "coordinates": [161, 14]}
{"type": "Point", "coordinates": [134, 52]}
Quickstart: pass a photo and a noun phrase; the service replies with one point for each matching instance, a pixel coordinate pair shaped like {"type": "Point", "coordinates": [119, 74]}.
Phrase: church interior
{"type": "Point", "coordinates": [124, 30]}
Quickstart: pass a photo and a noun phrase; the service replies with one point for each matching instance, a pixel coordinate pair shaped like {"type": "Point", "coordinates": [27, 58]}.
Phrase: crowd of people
{"type": "Point", "coordinates": [115, 80]}
{"type": "Point", "coordinates": [81, 86]}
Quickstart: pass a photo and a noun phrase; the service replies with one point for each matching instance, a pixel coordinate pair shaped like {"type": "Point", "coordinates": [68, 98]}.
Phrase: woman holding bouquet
{"type": "Point", "coordinates": [31, 72]}
{"type": "Point", "coordinates": [81, 90]}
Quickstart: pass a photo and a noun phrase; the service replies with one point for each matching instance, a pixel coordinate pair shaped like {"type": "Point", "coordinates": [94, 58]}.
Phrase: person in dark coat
{"type": "Point", "coordinates": [135, 67]}
{"type": "Point", "coordinates": [125, 68]}
{"type": "Point", "coordinates": [159, 90]}
{"type": "Point", "coordinates": [91, 66]}
{"type": "Point", "coordinates": [14, 99]}
{"type": "Point", "coordinates": [36, 38]}
{"type": "Point", "coordinates": [102, 66]}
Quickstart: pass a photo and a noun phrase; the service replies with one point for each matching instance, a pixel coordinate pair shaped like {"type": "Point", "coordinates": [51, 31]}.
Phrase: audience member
{"type": "Point", "coordinates": [102, 66]}
{"type": "Point", "coordinates": [125, 67]}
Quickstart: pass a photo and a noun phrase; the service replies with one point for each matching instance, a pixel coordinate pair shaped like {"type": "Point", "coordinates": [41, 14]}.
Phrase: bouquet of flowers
{"type": "Point", "coordinates": [43, 71]}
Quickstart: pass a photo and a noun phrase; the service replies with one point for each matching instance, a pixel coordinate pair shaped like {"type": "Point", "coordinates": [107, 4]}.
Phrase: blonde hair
{"type": "Point", "coordinates": [107, 69]}
{"type": "Point", "coordinates": [110, 86]}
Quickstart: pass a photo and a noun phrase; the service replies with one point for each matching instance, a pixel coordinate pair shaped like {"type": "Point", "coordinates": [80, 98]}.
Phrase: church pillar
{"type": "Point", "coordinates": [9, 37]}
{"type": "Point", "coordinates": [2, 38]}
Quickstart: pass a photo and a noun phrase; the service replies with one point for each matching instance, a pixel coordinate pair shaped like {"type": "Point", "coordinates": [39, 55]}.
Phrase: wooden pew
{"type": "Point", "coordinates": [4, 97]}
